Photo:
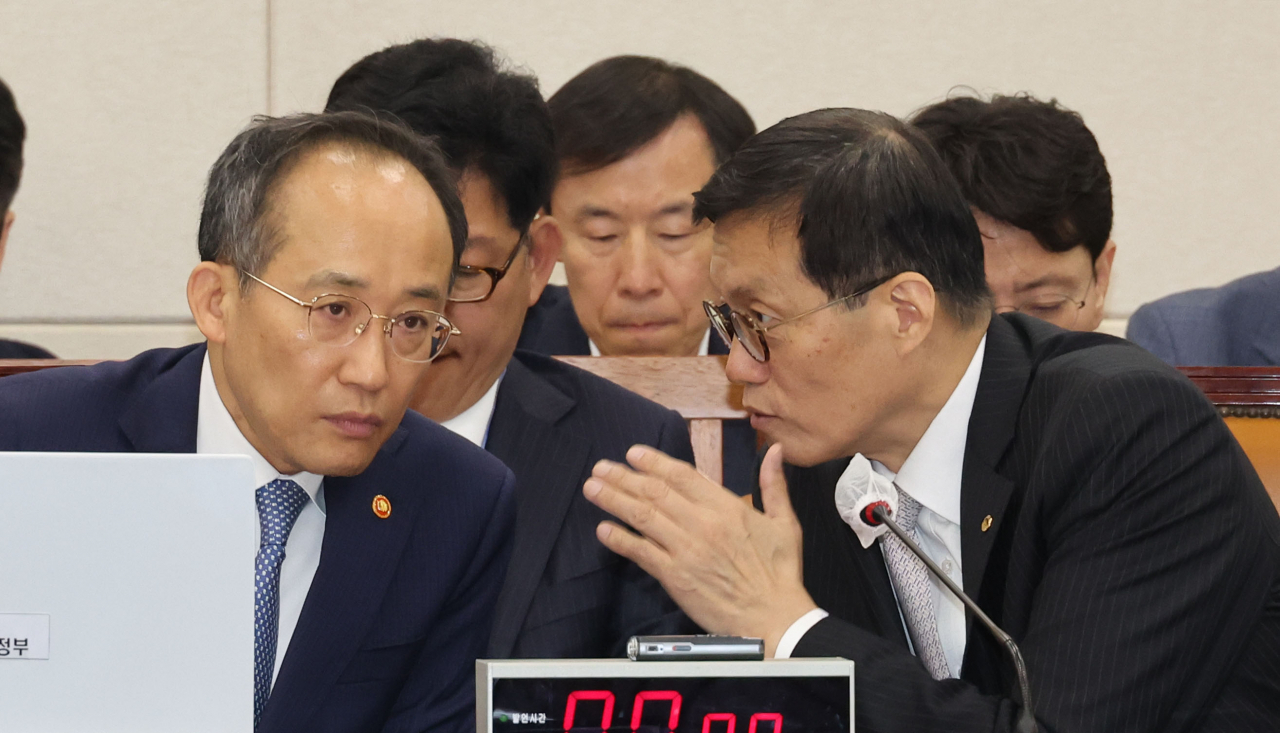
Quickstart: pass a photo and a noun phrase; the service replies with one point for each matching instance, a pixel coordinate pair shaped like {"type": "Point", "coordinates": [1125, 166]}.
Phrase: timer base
{"type": "Point", "coordinates": [620, 696]}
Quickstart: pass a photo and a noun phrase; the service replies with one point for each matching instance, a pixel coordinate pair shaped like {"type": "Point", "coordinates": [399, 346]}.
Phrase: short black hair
{"type": "Point", "coordinates": [12, 134]}
{"type": "Point", "coordinates": [236, 225]}
{"type": "Point", "coordinates": [1029, 163]}
{"type": "Point", "coordinates": [616, 106]}
{"type": "Point", "coordinates": [482, 116]}
{"type": "Point", "coordinates": [869, 198]}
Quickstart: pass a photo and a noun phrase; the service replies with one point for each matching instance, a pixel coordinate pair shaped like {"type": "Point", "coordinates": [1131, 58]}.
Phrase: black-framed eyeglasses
{"type": "Point", "coordinates": [730, 323]}
{"type": "Point", "coordinates": [474, 284]}
{"type": "Point", "coordinates": [338, 320]}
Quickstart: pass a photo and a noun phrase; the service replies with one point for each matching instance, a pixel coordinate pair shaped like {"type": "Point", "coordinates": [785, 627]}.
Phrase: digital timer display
{"type": "Point", "coordinates": [672, 705]}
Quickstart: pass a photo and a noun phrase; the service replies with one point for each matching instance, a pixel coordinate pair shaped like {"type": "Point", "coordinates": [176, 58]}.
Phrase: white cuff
{"type": "Point", "coordinates": [796, 632]}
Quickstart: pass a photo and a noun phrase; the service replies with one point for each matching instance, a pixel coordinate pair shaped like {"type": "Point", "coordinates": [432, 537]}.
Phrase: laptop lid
{"type": "Point", "coordinates": [126, 592]}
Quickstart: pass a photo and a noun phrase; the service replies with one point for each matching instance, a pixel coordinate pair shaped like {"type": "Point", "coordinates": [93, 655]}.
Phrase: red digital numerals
{"type": "Point", "coordinates": [670, 696]}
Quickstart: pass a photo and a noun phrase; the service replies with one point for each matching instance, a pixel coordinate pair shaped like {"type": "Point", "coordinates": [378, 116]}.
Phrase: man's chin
{"type": "Point", "coordinates": [330, 456]}
{"type": "Point", "coordinates": [639, 342]}
{"type": "Point", "coordinates": [340, 465]}
{"type": "Point", "coordinates": [800, 452]}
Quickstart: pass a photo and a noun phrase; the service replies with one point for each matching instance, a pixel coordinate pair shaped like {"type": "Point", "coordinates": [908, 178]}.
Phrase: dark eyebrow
{"type": "Point", "coordinates": [678, 208]}
{"type": "Point", "coordinates": [347, 280]}
{"type": "Point", "coordinates": [594, 212]}
{"type": "Point", "coordinates": [331, 277]}
{"type": "Point", "coordinates": [745, 293]}
{"type": "Point", "coordinates": [426, 292]}
{"type": "Point", "coordinates": [1040, 282]}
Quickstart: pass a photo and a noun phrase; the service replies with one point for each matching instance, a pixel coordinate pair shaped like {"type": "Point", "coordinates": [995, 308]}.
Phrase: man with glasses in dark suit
{"type": "Point", "coordinates": [1085, 494]}
{"type": "Point", "coordinates": [565, 595]}
{"type": "Point", "coordinates": [328, 243]}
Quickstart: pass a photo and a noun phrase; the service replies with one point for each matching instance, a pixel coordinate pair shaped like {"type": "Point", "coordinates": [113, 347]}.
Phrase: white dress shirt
{"type": "Point", "coordinates": [473, 422]}
{"type": "Point", "coordinates": [217, 433]}
{"type": "Point", "coordinates": [932, 476]}
{"type": "Point", "coordinates": [702, 348]}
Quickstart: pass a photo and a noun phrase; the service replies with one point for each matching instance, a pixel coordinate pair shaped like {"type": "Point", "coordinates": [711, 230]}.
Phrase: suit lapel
{"type": "Point", "coordinates": [356, 566]}
{"type": "Point", "coordinates": [984, 493]}
{"type": "Point", "coordinates": [162, 417]}
{"type": "Point", "coordinates": [549, 462]}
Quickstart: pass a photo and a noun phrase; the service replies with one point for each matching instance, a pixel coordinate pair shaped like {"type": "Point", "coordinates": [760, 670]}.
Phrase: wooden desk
{"type": "Point", "coordinates": [1249, 400]}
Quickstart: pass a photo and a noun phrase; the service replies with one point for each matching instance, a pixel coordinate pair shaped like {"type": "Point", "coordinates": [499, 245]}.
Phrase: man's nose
{"type": "Point", "coordinates": [742, 368]}
{"type": "Point", "coordinates": [641, 275]}
{"type": "Point", "coordinates": [365, 361]}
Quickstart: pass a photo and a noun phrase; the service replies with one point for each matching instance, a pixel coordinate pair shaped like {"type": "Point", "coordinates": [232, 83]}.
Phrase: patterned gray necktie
{"type": "Point", "coordinates": [915, 590]}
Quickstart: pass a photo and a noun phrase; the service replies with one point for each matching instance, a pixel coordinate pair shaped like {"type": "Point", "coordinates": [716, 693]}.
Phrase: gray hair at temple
{"type": "Point", "coordinates": [236, 224]}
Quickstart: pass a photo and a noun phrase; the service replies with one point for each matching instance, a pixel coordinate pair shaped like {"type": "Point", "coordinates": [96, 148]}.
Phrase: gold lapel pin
{"type": "Point", "coordinates": [986, 521]}
{"type": "Point", "coordinates": [382, 507]}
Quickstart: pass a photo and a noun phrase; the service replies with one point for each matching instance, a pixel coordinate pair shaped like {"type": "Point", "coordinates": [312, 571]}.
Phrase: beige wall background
{"type": "Point", "coordinates": [129, 102]}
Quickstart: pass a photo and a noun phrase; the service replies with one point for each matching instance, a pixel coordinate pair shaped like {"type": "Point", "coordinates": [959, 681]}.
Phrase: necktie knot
{"type": "Point", "coordinates": [279, 504]}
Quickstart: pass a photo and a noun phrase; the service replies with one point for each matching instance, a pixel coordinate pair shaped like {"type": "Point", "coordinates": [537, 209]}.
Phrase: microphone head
{"type": "Point", "coordinates": [869, 513]}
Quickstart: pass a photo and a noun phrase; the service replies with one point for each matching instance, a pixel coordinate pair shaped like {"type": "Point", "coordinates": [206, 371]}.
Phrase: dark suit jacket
{"type": "Point", "coordinates": [1237, 324]}
{"type": "Point", "coordinates": [551, 327]}
{"type": "Point", "coordinates": [20, 350]}
{"type": "Point", "coordinates": [1133, 555]}
{"type": "Point", "coordinates": [399, 608]}
{"type": "Point", "coordinates": [566, 595]}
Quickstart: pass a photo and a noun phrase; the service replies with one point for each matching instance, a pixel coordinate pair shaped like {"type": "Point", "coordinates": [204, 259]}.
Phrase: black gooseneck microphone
{"type": "Point", "coordinates": [876, 514]}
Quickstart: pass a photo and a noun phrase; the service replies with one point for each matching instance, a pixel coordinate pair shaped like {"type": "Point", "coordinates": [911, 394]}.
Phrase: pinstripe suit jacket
{"type": "Point", "coordinates": [566, 595]}
{"type": "Point", "coordinates": [1133, 554]}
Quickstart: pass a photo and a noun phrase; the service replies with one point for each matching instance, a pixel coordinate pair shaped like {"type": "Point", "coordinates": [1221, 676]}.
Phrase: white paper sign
{"type": "Point", "coordinates": [24, 636]}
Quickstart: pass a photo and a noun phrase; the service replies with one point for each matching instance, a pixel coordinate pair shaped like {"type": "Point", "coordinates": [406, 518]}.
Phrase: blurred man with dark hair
{"type": "Point", "coordinates": [1039, 189]}
{"type": "Point", "coordinates": [565, 594]}
{"type": "Point", "coordinates": [635, 137]}
{"type": "Point", "coordinates": [12, 135]}
{"type": "Point", "coordinates": [1085, 494]}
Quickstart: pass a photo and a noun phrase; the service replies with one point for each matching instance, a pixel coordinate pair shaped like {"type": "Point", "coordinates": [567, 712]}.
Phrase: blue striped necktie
{"type": "Point", "coordinates": [279, 504]}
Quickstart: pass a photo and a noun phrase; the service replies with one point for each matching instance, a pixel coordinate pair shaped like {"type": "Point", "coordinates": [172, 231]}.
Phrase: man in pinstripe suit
{"type": "Point", "coordinates": [1085, 494]}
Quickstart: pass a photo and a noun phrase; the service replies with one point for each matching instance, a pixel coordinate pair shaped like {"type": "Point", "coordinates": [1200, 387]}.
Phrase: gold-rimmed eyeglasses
{"type": "Point", "coordinates": [473, 284]}
{"type": "Point", "coordinates": [730, 323]}
{"type": "Point", "coordinates": [338, 320]}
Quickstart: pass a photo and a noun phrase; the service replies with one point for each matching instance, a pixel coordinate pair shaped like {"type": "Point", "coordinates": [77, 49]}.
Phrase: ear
{"type": "Point", "coordinates": [915, 306]}
{"type": "Point", "coordinates": [213, 291]}
{"type": "Point", "coordinates": [1102, 271]}
{"type": "Point", "coordinates": [4, 232]}
{"type": "Point", "coordinates": [545, 241]}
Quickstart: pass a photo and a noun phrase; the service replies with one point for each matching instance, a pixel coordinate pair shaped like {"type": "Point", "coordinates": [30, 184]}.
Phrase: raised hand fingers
{"type": "Point", "coordinates": [651, 558]}
{"type": "Point", "coordinates": [773, 485]}
{"type": "Point", "coordinates": [678, 475]}
{"type": "Point", "coordinates": [642, 502]}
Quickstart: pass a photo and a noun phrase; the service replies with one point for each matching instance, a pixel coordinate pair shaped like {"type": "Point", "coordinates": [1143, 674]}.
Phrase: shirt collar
{"type": "Point", "coordinates": [217, 432]}
{"type": "Point", "coordinates": [703, 348]}
{"type": "Point", "coordinates": [932, 472]}
{"type": "Point", "coordinates": [473, 422]}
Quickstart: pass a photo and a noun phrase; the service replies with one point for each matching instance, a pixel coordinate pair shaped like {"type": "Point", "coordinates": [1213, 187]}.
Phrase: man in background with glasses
{"type": "Point", "coordinates": [328, 243]}
{"type": "Point", "coordinates": [1085, 494]}
{"type": "Point", "coordinates": [565, 594]}
{"type": "Point", "coordinates": [1039, 189]}
{"type": "Point", "coordinates": [635, 137]}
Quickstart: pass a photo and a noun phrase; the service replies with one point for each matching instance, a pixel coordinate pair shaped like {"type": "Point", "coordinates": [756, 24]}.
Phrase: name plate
{"type": "Point", "coordinates": [24, 636]}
